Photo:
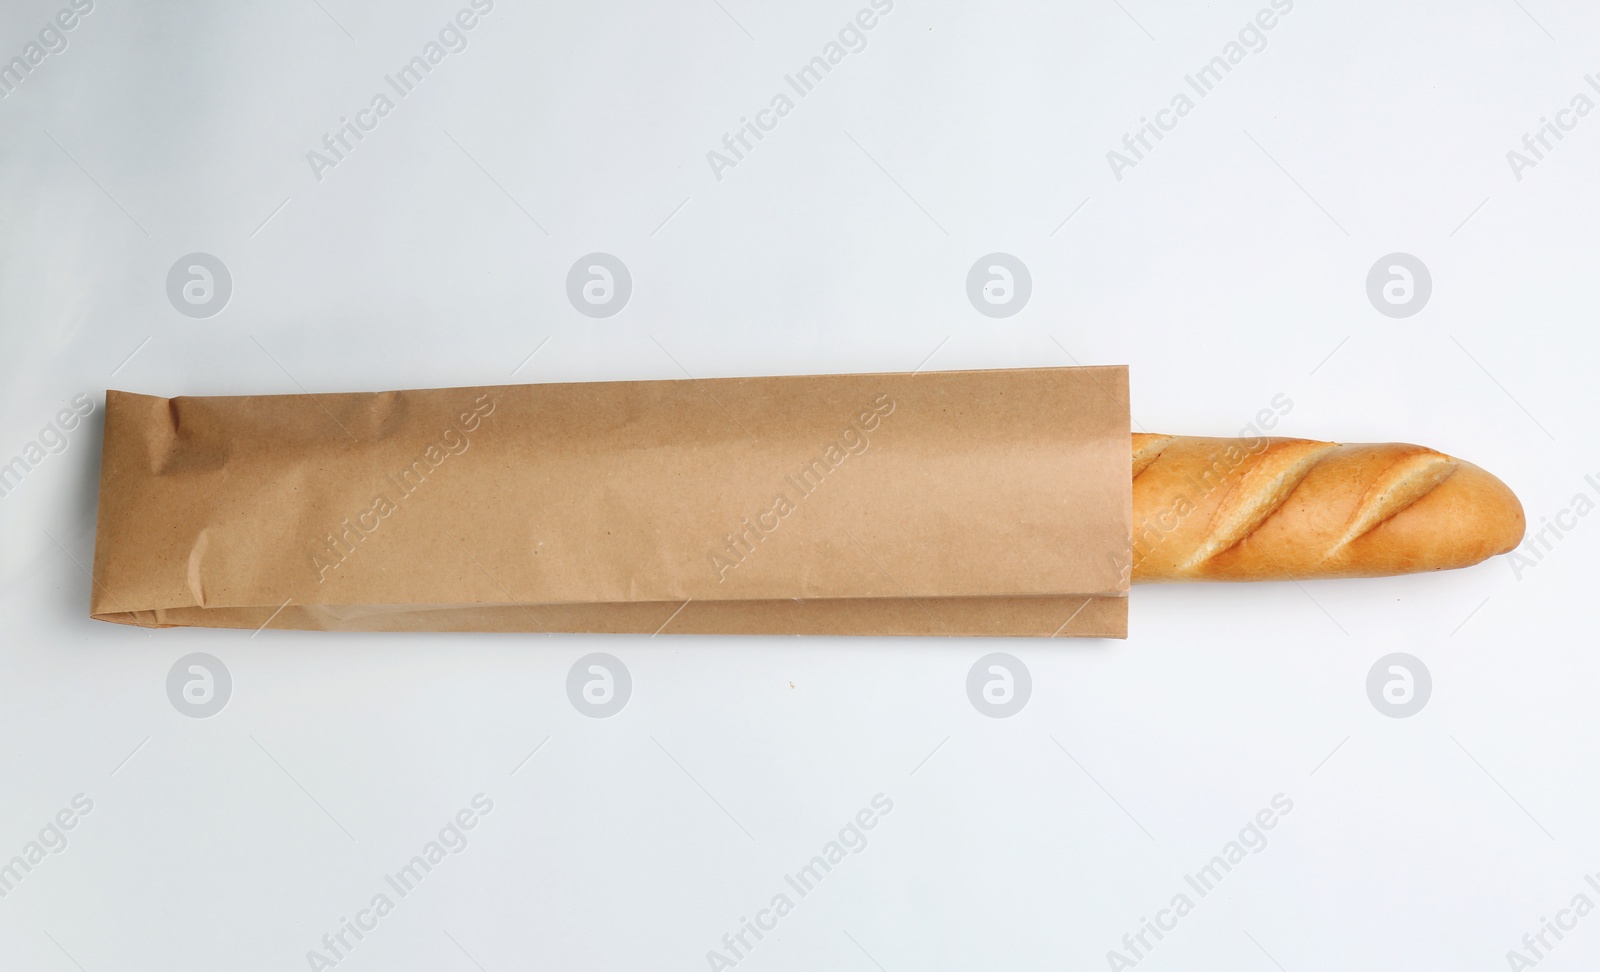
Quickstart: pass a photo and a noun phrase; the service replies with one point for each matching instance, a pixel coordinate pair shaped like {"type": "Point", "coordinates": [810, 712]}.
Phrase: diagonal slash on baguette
{"type": "Point", "coordinates": [1276, 508]}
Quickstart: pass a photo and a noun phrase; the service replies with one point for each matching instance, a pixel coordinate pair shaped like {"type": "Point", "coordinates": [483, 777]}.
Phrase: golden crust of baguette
{"type": "Point", "coordinates": [1278, 509]}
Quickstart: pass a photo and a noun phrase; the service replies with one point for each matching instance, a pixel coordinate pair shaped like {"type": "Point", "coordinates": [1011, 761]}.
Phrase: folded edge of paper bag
{"type": "Point", "coordinates": [1041, 617]}
{"type": "Point", "coordinates": [971, 503]}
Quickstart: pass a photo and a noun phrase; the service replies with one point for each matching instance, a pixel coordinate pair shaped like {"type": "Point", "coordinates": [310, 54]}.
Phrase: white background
{"type": "Point", "coordinates": [1226, 268]}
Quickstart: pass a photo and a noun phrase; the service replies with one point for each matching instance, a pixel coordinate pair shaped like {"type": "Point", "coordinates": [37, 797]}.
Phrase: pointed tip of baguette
{"type": "Point", "coordinates": [1493, 505]}
{"type": "Point", "coordinates": [1466, 516]}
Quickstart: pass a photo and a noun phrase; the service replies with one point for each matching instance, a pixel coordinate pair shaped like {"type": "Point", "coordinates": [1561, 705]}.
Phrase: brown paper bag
{"type": "Point", "coordinates": [959, 503]}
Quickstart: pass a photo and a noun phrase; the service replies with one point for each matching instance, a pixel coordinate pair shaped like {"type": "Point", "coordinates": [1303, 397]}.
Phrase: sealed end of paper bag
{"type": "Point", "coordinates": [954, 503]}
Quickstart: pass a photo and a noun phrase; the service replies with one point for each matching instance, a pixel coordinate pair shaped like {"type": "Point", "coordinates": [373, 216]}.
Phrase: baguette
{"type": "Point", "coordinates": [1279, 509]}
